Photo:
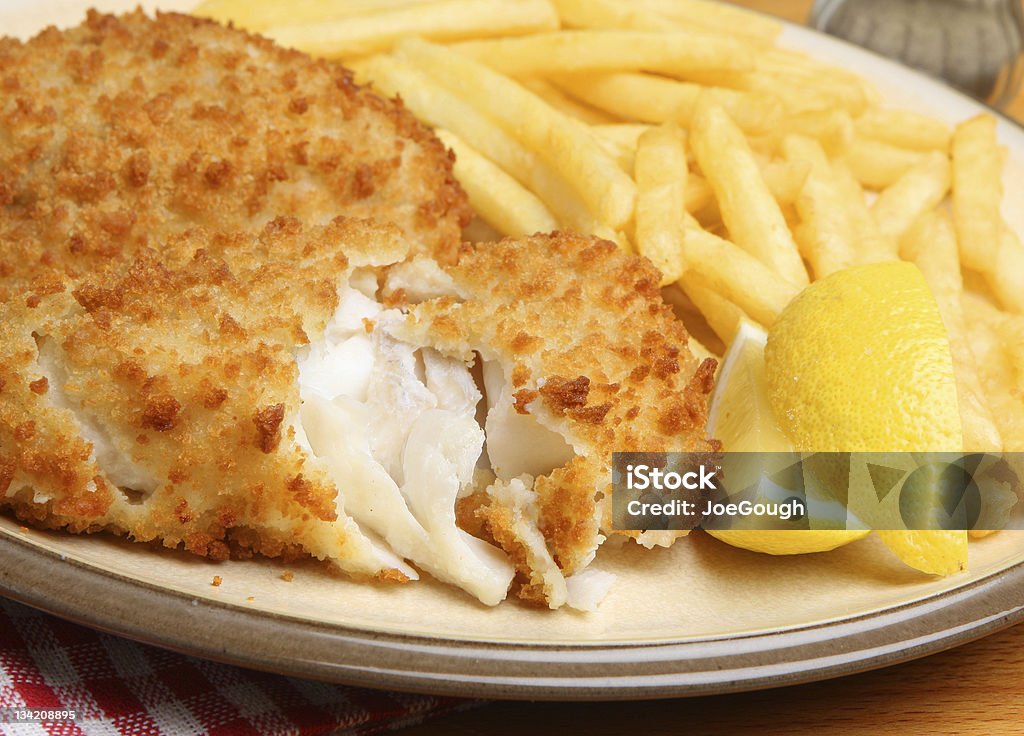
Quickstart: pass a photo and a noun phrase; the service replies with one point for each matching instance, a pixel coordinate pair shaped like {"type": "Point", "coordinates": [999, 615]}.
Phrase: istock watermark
{"type": "Point", "coordinates": [825, 490]}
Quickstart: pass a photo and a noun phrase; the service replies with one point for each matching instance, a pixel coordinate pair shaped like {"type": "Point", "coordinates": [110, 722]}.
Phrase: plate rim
{"type": "Point", "coordinates": [43, 578]}
{"type": "Point", "coordinates": [255, 639]}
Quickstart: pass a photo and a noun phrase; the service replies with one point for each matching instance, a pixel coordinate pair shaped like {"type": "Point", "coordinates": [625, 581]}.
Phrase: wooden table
{"type": "Point", "coordinates": [975, 689]}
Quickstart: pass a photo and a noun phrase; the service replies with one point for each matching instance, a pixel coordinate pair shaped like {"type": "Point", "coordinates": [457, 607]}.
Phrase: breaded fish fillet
{"type": "Point", "coordinates": [124, 130]}
{"type": "Point", "coordinates": [264, 392]}
{"type": "Point", "coordinates": [154, 398]}
{"type": "Point", "coordinates": [581, 357]}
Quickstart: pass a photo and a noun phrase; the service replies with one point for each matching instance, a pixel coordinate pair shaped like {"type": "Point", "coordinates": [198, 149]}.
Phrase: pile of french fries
{"type": "Point", "coordinates": [681, 131]}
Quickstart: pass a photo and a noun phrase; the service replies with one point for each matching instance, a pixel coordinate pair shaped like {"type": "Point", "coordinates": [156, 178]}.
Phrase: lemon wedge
{"type": "Point", "coordinates": [934, 552]}
{"type": "Point", "coordinates": [740, 415]}
{"type": "Point", "coordinates": [858, 361]}
{"type": "Point", "coordinates": [744, 421]}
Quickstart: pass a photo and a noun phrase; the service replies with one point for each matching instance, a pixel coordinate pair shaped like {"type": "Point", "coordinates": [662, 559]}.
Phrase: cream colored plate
{"type": "Point", "coordinates": [701, 617]}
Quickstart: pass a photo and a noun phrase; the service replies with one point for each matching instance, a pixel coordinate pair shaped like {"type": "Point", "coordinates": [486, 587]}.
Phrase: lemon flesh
{"type": "Point", "coordinates": [787, 542]}
{"type": "Point", "coordinates": [740, 415]}
{"type": "Point", "coordinates": [743, 420]}
{"type": "Point", "coordinates": [934, 552]}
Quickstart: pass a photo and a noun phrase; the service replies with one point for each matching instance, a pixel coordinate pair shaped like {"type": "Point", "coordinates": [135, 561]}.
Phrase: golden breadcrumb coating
{"type": "Point", "coordinates": [184, 362]}
{"type": "Point", "coordinates": [179, 368]}
{"type": "Point", "coordinates": [124, 130]}
{"type": "Point", "coordinates": [592, 351]}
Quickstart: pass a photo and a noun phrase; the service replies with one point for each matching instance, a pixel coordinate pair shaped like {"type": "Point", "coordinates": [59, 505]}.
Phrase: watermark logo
{"type": "Point", "coordinates": [902, 491]}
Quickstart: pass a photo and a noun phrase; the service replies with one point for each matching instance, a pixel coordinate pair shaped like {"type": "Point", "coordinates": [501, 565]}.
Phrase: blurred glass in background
{"type": "Point", "coordinates": [975, 45]}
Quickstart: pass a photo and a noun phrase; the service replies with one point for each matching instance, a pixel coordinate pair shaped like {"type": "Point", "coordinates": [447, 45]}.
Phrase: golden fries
{"type": "Point", "coordinates": [722, 315]}
{"type": "Point", "coordinates": [916, 192]}
{"type": "Point", "coordinates": [610, 14]}
{"type": "Point", "coordinates": [872, 244]}
{"type": "Point", "coordinates": [748, 209]}
{"type": "Point", "coordinates": [652, 99]}
{"type": "Point", "coordinates": [977, 191]}
{"type": "Point", "coordinates": [998, 372]}
{"type": "Point", "coordinates": [904, 129]}
{"type": "Point", "coordinates": [742, 278]}
{"type": "Point", "coordinates": [986, 244]}
{"type": "Point", "coordinates": [827, 238]}
{"type": "Point", "coordinates": [1007, 277]}
{"type": "Point", "coordinates": [566, 104]}
{"type": "Point", "coordinates": [599, 50]}
{"type": "Point", "coordinates": [784, 179]}
{"type": "Point", "coordinates": [565, 144]}
{"type": "Point", "coordinates": [661, 199]}
{"type": "Point", "coordinates": [498, 198]}
{"type": "Point", "coordinates": [931, 243]}
{"type": "Point", "coordinates": [441, 108]}
{"type": "Point", "coordinates": [441, 20]}
{"type": "Point", "coordinates": [620, 141]}
{"type": "Point", "coordinates": [714, 16]}
{"type": "Point", "coordinates": [877, 165]}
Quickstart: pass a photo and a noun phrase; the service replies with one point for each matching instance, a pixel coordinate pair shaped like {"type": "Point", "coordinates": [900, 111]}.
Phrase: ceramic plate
{"type": "Point", "coordinates": [699, 618]}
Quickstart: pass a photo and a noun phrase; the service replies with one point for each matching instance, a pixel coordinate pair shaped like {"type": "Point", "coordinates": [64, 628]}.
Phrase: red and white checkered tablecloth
{"type": "Point", "coordinates": [120, 688]}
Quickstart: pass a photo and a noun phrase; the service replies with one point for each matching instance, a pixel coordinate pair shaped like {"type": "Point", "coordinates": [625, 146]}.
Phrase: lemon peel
{"type": "Point", "coordinates": [860, 362]}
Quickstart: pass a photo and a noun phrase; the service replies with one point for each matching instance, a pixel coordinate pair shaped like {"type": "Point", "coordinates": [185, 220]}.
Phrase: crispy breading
{"type": "Point", "coordinates": [161, 397]}
{"type": "Point", "coordinates": [181, 367]}
{"type": "Point", "coordinates": [124, 130]}
{"type": "Point", "coordinates": [592, 352]}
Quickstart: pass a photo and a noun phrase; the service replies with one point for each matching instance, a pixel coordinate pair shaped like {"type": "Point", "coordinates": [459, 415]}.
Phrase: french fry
{"type": "Point", "coordinates": [722, 316]}
{"type": "Point", "coordinates": [872, 244]}
{"type": "Point", "coordinates": [985, 244]}
{"type": "Point", "coordinates": [998, 372]}
{"type": "Point", "coordinates": [698, 194]}
{"type": "Point", "coordinates": [441, 108]}
{"type": "Point", "coordinates": [799, 64]}
{"type": "Point", "coordinates": [652, 99]}
{"type": "Point", "coordinates": [442, 20]}
{"type": "Point", "coordinates": [827, 237]}
{"type": "Point", "coordinates": [543, 54]}
{"type": "Point", "coordinates": [625, 135]}
{"type": "Point", "coordinates": [715, 16]}
{"type": "Point", "coordinates": [661, 174]}
{"type": "Point", "coordinates": [1007, 277]}
{"type": "Point", "coordinates": [742, 278]}
{"type": "Point", "coordinates": [785, 179]}
{"type": "Point", "coordinates": [748, 209]}
{"type": "Point", "coordinates": [916, 192]}
{"type": "Point", "coordinates": [931, 244]}
{"type": "Point", "coordinates": [801, 94]}
{"type": "Point", "coordinates": [566, 104]}
{"type": "Point", "coordinates": [261, 15]}
{"type": "Point", "coordinates": [904, 129]}
{"type": "Point", "coordinates": [833, 129]}
{"type": "Point", "coordinates": [620, 141]}
{"type": "Point", "coordinates": [494, 195]}
{"type": "Point", "coordinates": [977, 192]}
{"type": "Point", "coordinates": [565, 144]}
{"type": "Point", "coordinates": [878, 165]}
{"type": "Point", "coordinates": [806, 84]}
{"type": "Point", "coordinates": [610, 14]}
